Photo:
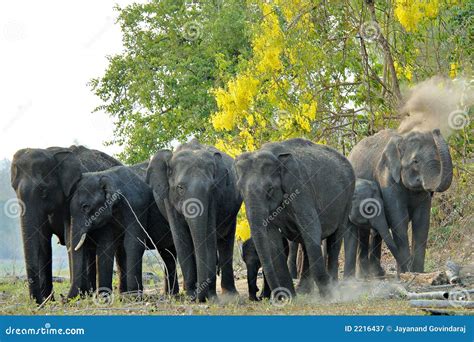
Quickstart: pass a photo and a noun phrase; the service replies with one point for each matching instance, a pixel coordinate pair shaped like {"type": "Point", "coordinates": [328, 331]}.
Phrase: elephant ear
{"type": "Point", "coordinates": [112, 193]}
{"type": "Point", "coordinates": [68, 169]}
{"type": "Point", "coordinates": [222, 174]}
{"type": "Point", "coordinates": [289, 171]}
{"type": "Point", "coordinates": [391, 158]}
{"type": "Point", "coordinates": [158, 172]}
{"type": "Point", "coordinates": [15, 170]}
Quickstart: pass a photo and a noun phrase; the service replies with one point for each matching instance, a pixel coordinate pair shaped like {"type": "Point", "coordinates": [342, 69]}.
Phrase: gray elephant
{"type": "Point", "coordinates": [116, 211]}
{"type": "Point", "coordinates": [195, 189]}
{"type": "Point", "coordinates": [368, 213]}
{"type": "Point", "coordinates": [303, 191]}
{"type": "Point", "coordinates": [253, 264]}
{"type": "Point", "coordinates": [43, 180]}
{"type": "Point", "coordinates": [408, 168]}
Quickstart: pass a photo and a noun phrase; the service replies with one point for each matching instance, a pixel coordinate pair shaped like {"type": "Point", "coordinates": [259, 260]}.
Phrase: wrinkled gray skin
{"type": "Point", "coordinates": [140, 169]}
{"type": "Point", "coordinates": [43, 180]}
{"type": "Point", "coordinates": [103, 209]}
{"type": "Point", "coordinates": [253, 264]}
{"type": "Point", "coordinates": [194, 187]}
{"type": "Point", "coordinates": [368, 213]}
{"type": "Point", "coordinates": [304, 190]}
{"type": "Point", "coordinates": [408, 168]}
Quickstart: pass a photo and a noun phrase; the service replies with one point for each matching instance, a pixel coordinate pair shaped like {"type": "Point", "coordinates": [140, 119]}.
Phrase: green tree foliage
{"type": "Point", "coordinates": [158, 89]}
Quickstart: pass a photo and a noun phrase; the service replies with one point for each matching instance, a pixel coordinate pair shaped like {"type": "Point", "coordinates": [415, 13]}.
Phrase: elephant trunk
{"type": "Point", "coordinates": [31, 233]}
{"type": "Point", "coordinates": [446, 174]}
{"type": "Point", "coordinates": [79, 278]}
{"type": "Point", "coordinates": [198, 225]}
{"type": "Point", "coordinates": [257, 218]}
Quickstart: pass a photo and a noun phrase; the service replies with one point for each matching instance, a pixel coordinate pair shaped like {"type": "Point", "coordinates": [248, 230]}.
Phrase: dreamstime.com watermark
{"type": "Point", "coordinates": [288, 199]}
{"type": "Point", "coordinates": [108, 203]}
{"type": "Point", "coordinates": [370, 208]}
{"type": "Point", "coordinates": [280, 297]}
{"type": "Point", "coordinates": [14, 208]}
{"type": "Point", "coordinates": [201, 288]}
{"type": "Point", "coordinates": [192, 208]}
{"type": "Point", "coordinates": [46, 330]}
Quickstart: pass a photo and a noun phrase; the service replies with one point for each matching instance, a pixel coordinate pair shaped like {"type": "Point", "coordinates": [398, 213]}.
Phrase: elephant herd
{"type": "Point", "coordinates": [184, 203]}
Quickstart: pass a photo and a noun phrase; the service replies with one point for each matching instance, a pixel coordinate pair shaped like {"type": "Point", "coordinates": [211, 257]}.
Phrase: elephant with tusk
{"type": "Point", "coordinates": [43, 180]}
{"type": "Point", "coordinates": [114, 210]}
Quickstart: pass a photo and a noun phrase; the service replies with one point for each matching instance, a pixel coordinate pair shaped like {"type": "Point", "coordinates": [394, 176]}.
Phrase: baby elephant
{"type": "Point", "coordinates": [114, 210]}
{"type": "Point", "coordinates": [253, 264]}
{"type": "Point", "coordinates": [368, 213]}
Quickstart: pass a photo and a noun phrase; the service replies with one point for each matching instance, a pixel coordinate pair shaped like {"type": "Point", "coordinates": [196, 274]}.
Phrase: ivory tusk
{"type": "Point", "coordinates": [81, 242]}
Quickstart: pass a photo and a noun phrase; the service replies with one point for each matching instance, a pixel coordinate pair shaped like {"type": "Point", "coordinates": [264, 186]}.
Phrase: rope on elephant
{"type": "Point", "coordinates": [163, 265]}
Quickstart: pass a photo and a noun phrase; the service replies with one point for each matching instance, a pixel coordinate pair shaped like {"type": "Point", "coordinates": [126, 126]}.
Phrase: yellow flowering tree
{"type": "Point", "coordinates": [274, 95]}
{"type": "Point", "coordinates": [411, 12]}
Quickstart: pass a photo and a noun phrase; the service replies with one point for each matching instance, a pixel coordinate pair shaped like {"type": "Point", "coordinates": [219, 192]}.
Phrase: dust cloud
{"type": "Point", "coordinates": [438, 103]}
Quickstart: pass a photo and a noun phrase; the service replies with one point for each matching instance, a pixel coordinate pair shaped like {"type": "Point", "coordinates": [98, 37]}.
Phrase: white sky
{"type": "Point", "coordinates": [49, 50]}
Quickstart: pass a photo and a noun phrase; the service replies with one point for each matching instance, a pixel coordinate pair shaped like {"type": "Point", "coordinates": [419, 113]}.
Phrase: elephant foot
{"type": "Point", "coordinates": [253, 297]}
{"type": "Point", "coordinates": [230, 292]}
{"type": "Point", "coordinates": [305, 287]}
{"type": "Point", "coordinates": [376, 270]}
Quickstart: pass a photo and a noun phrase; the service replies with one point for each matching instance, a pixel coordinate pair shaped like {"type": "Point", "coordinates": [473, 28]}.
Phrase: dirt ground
{"type": "Point", "coordinates": [385, 296]}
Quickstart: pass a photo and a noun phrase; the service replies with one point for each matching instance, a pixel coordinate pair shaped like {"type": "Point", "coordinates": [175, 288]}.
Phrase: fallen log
{"type": "Point", "coordinates": [429, 295]}
{"type": "Point", "coordinates": [454, 295]}
{"type": "Point", "coordinates": [442, 304]}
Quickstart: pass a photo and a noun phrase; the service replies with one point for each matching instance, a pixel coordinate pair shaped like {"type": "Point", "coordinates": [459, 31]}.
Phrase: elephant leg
{"type": "Point", "coordinates": [380, 225]}
{"type": "Point", "coordinates": [310, 229]}
{"type": "Point", "coordinates": [364, 239]}
{"type": "Point", "coordinates": [106, 249]}
{"type": "Point", "coordinates": [293, 253]}
{"type": "Point", "coordinates": [351, 238]}
{"type": "Point", "coordinates": [398, 218]}
{"type": "Point", "coordinates": [420, 229]}
{"type": "Point", "coordinates": [375, 254]}
{"type": "Point", "coordinates": [226, 254]}
{"type": "Point", "coordinates": [91, 268]}
{"type": "Point", "coordinates": [46, 266]}
{"type": "Point", "coordinates": [134, 266]}
{"type": "Point", "coordinates": [266, 292]}
{"type": "Point", "coordinates": [121, 259]}
{"type": "Point", "coordinates": [169, 258]}
{"type": "Point", "coordinates": [306, 283]}
{"type": "Point", "coordinates": [252, 272]}
{"type": "Point", "coordinates": [333, 247]}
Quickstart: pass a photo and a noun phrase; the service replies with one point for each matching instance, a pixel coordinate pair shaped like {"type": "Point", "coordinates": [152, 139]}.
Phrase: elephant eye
{"type": "Point", "coordinates": [415, 161]}
{"type": "Point", "coordinates": [180, 189]}
{"type": "Point", "coordinates": [270, 191]}
{"type": "Point", "coordinates": [44, 192]}
{"type": "Point", "coordinates": [85, 208]}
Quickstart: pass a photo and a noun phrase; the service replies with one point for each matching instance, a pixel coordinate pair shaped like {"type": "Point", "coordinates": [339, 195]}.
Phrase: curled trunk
{"type": "Point", "coordinates": [446, 174]}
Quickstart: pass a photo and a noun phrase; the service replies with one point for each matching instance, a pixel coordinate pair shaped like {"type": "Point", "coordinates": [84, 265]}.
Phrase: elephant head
{"type": "Point", "coordinates": [185, 183]}
{"type": "Point", "coordinates": [92, 206]}
{"type": "Point", "coordinates": [43, 180]}
{"type": "Point", "coordinates": [419, 160]}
